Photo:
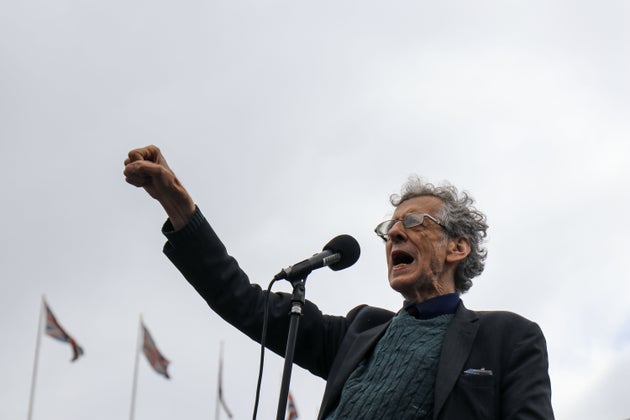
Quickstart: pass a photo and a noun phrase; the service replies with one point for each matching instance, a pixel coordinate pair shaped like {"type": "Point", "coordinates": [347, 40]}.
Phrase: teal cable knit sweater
{"type": "Point", "coordinates": [396, 381]}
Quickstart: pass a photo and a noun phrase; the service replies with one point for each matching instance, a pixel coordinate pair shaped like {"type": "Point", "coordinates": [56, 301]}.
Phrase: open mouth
{"type": "Point", "coordinates": [401, 258]}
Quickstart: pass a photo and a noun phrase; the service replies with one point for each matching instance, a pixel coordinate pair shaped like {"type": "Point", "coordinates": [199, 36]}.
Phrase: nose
{"type": "Point", "coordinates": [397, 233]}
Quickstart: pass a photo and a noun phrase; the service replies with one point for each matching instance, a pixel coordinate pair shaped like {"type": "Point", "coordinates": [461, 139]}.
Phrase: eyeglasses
{"type": "Point", "coordinates": [410, 221]}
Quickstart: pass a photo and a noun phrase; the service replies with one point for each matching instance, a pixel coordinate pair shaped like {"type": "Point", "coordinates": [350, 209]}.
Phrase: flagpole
{"type": "Point", "coordinates": [35, 363]}
{"type": "Point", "coordinates": [135, 371]}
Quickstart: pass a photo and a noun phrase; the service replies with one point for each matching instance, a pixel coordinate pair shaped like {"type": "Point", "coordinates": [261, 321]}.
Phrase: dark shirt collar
{"type": "Point", "coordinates": [439, 305]}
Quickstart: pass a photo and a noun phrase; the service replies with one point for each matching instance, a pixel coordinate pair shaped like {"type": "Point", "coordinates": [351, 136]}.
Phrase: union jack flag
{"type": "Point", "coordinates": [54, 330]}
{"type": "Point", "coordinates": [292, 413]}
{"type": "Point", "coordinates": [158, 362]}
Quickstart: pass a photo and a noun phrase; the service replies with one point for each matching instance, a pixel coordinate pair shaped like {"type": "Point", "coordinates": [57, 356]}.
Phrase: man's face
{"type": "Point", "coordinates": [416, 257]}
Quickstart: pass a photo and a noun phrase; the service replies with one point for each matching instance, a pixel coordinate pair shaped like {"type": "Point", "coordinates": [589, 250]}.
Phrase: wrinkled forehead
{"type": "Point", "coordinates": [421, 204]}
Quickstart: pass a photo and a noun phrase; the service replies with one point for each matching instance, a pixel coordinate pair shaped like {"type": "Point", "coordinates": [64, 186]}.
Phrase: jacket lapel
{"type": "Point", "coordinates": [456, 348]}
{"type": "Point", "coordinates": [354, 353]}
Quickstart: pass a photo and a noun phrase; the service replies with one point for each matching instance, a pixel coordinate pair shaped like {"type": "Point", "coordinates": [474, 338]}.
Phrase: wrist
{"type": "Point", "coordinates": [179, 210]}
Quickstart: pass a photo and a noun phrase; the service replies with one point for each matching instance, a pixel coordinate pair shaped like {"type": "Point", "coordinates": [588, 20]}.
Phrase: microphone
{"type": "Point", "coordinates": [341, 252]}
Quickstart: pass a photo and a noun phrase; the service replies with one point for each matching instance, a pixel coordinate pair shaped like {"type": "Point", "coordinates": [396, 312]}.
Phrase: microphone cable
{"type": "Point", "coordinates": [263, 340]}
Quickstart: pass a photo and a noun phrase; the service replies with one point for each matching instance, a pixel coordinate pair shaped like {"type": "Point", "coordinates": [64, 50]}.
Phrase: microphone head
{"type": "Point", "coordinates": [347, 247]}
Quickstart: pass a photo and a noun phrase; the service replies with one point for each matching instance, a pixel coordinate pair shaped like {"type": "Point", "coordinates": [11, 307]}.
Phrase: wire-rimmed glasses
{"type": "Point", "coordinates": [409, 221]}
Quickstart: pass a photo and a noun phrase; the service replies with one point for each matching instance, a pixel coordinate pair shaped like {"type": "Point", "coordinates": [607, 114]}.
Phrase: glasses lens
{"type": "Point", "coordinates": [412, 220]}
{"type": "Point", "coordinates": [383, 228]}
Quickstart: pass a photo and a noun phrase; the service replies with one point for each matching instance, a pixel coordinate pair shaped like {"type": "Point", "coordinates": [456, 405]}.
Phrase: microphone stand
{"type": "Point", "coordinates": [297, 302]}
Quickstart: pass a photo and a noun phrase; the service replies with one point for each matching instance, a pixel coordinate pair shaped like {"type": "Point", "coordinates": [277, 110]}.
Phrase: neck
{"type": "Point", "coordinates": [430, 291]}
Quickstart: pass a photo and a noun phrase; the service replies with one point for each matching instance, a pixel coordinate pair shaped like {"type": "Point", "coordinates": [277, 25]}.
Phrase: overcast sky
{"type": "Point", "coordinates": [290, 123]}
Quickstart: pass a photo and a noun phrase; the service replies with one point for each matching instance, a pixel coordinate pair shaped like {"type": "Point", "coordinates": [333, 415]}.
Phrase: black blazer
{"type": "Point", "coordinates": [493, 365]}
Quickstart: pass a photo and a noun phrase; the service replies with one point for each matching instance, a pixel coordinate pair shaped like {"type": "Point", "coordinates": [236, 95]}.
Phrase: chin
{"type": "Point", "coordinates": [404, 287]}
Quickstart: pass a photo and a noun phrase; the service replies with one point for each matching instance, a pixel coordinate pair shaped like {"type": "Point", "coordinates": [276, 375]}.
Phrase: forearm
{"type": "Point", "coordinates": [180, 209]}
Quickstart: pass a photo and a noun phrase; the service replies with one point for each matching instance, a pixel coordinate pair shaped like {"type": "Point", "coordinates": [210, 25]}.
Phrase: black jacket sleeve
{"type": "Point", "coordinates": [203, 260]}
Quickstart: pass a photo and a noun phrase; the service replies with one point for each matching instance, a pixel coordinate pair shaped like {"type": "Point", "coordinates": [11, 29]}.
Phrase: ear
{"type": "Point", "coordinates": [457, 249]}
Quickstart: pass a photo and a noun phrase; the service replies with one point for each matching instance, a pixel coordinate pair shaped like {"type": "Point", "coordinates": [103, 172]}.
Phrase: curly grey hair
{"type": "Point", "coordinates": [459, 217]}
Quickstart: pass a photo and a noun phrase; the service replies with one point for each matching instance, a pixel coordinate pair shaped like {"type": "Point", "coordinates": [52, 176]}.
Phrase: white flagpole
{"type": "Point", "coordinates": [34, 377]}
{"type": "Point", "coordinates": [135, 371]}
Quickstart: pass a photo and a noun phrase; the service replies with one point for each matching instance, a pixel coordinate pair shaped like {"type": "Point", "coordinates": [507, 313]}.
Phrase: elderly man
{"type": "Point", "coordinates": [434, 359]}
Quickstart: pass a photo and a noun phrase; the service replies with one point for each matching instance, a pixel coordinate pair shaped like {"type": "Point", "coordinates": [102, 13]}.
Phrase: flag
{"type": "Point", "coordinates": [158, 362]}
{"type": "Point", "coordinates": [292, 413]}
{"type": "Point", "coordinates": [54, 330]}
{"type": "Point", "coordinates": [220, 387]}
